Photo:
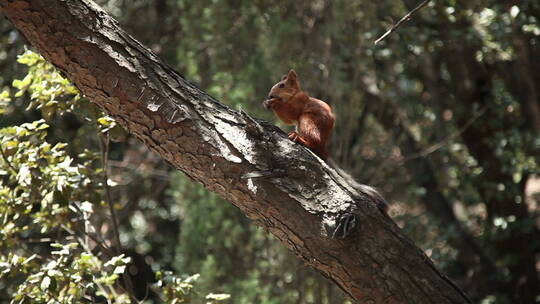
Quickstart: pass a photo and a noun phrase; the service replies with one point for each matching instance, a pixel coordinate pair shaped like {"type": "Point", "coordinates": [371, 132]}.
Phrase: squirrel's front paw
{"type": "Point", "coordinates": [293, 136]}
{"type": "Point", "coordinates": [268, 103]}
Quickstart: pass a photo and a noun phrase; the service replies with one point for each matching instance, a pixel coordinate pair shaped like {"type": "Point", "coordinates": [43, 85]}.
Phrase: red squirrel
{"type": "Point", "coordinates": [312, 117]}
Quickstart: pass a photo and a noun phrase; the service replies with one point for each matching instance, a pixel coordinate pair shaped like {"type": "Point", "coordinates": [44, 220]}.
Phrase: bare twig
{"type": "Point", "coordinates": [402, 20]}
{"type": "Point", "coordinates": [161, 174]}
{"type": "Point", "coordinates": [7, 161]}
{"type": "Point", "coordinates": [428, 150]}
{"type": "Point", "coordinates": [104, 140]}
{"type": "Point", "coordinates": [99, 243]}
{"type": "Point", "coordinates": [86, 247]}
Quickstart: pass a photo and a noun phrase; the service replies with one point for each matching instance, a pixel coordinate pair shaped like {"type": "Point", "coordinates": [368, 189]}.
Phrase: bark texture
{"type": "Point", "coordinates": [280, 185]}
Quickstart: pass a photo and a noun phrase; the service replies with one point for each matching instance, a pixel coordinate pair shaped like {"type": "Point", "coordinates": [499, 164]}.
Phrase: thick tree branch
{"type": "Point", "coordinates": [280, 185]}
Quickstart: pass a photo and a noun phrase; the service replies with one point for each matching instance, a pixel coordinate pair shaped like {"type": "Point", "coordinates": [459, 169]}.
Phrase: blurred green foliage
{"type": "Point", "coordinates": [52, 207]}
{"type": "Point", "coordinates": [443, 116]}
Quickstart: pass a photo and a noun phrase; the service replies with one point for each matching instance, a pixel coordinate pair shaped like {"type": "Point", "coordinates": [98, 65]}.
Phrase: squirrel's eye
{"type": "Point", "coordinates": [281, 85]}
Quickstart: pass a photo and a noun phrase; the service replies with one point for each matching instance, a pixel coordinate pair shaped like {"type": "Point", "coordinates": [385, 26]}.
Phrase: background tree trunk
{"type": "Point", "coordinates": [280, 185]}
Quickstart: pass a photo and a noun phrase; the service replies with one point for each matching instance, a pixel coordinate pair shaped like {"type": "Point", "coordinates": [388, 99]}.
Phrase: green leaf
{"type": "Point", "coordinates": [17, 83]}
{"type": "Point", "coordinates": [105, 121]}
{"type": "Point", "coordinates": [218, 296]}
{"type": "Point", "coordinates": [47, 200]}
{"type": "Point", "coordinates": [87, 207]}
{"type": "Point", "coordinates": [119, 269]}
{"type": "Point", "coordinates": [4, 96]}
{"type": "Point", "coordinates": [24, 176]}
{"type": "Point", "coordinates": [45, 283]}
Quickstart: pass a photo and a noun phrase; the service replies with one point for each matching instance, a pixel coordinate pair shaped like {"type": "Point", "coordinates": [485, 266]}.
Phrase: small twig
{"type": "Point", "coordinates": [104, 140]}
{"type": "Point", "coordinates": [85, 245]}
{"type": "Point", "coordinates": [162, 174]}
{"type": "Point", "coordinates": [105, 159]}
{"type": "Point", "coordinates": [428, 150]}
{"type": "Point", "coordinates": [7, 161]}
{"type": "Point", "coordinates": [98, 242]}
{"type": "Point", "coordinates": [52, 295]}
{"type": "Point", "coordinates": [402, 20]}
{"type": "Point", "coordinates": [425, 152]}
{"type": "Point", "coordinates": [87, 249]}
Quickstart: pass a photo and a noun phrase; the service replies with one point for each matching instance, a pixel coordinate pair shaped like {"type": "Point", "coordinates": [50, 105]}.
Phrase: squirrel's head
{"type": "Point", "coordinates": [287, 87]}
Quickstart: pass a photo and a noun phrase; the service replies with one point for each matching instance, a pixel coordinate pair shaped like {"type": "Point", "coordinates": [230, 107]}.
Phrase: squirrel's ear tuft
{"type": "Point", "coordinates": [292, 75]}
{"type": "Point", "coordinates": [292, 79]}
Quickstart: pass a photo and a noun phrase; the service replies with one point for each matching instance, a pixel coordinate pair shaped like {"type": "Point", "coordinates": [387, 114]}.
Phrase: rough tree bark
{"type": "Point", "coordinates": [280, 185]}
